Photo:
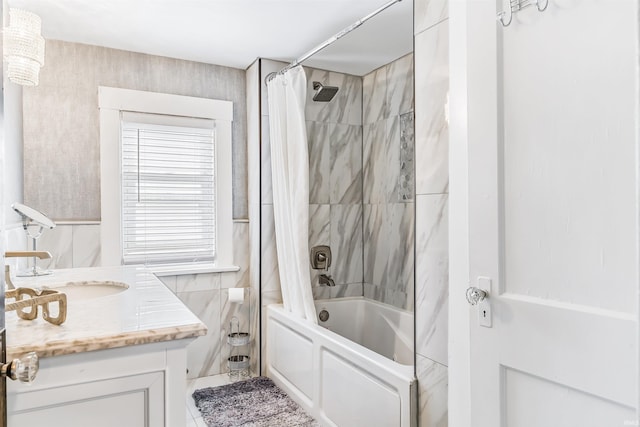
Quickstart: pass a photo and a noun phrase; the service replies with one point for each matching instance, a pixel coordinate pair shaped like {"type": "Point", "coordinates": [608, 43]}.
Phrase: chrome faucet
{"type": "Point", "coordinates": [325, 279]}
{"type": "Point", "coordinates": [21, 254]}
{"type": "Point", "coordinates": [27, 254]}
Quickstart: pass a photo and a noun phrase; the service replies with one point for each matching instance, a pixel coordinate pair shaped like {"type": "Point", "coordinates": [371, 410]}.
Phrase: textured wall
{"type": "Point", "coordinates": [388, 190]}
{"type": "Point", "coordinates": [61, 117]}
{"type": "Point", "coordinates": [12, 150]}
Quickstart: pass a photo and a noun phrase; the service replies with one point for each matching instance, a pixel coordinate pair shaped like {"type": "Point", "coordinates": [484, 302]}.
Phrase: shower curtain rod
{"type": "Point", "coordinates": [331, 40]}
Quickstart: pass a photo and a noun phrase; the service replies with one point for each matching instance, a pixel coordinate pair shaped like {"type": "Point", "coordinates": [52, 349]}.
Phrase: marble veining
{"type": "Point", "coordinates": [266, 188]}
{"type": "Point", "coordinates": [170, 282]}
{"type": "Point", "coordinates": [377, 158]}
{"type": "Point", "coordinates": [253, 233]}
{"type": "Point", "coordinates": [348, 290]}
{"type": "Point", "coordinates": [432, 129]}
{"type": "Point", "coordinates": [392, 170]}
{"type": "Point", "coordinates": [269, 273]}
{"type": "Point", "coordinates": [197, 282]}
{"type": "Point", "coordinates": [147, 312]}
{"type": "Point", "coordinates": [406, 177]}
{"type": "Point", "coordinates": [254, 329]}
{"type": "Point", "coordinates": [241, 251]}
{"type": "Point", "coordinates": [344, 108]}
{"type": "Point", "coordinates": [385, 96]}
{"type": "Point", "coordinates": [388, 187]}
{"type": "Point", "coordinates": [319, 225]}
{"type": "Point", "coordinates": [382, 161]}
{"type": "Point", "coordinates": [399, 96]}
{"type": "Point", "coordinates": [376, 257]}
{"type": "Point", "coordinates": [71, 246]}
{"type": "Point", "coordinates": [432, 277]}
{"type": "Point", "coordinates": [199, 292]}
{"type": "Point", "coordinates": [345, 164]}
{"type": "Point", "coordinates": [318, 138]}
{"type": "Point", "coordinates": [346, 243]}
{"type": "Point", "coordinates": [374, 94]}
{"type": "Point", "coordinates": [433, 387]}
{"type": "Point", "coordinates": [321, 292]}
{"type": "Point", "coordinates": [393, 297]}
{"type": "Point", "coordinates": [334, 135]}
{"type": "Point", "coordinates": [319, 233]}
{"type": "Point", "coordinates": [428, 13]}
{"type": "Point", "coordinates": [203, 355]}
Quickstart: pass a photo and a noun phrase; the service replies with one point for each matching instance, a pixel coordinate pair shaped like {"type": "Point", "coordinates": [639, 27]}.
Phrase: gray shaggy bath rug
{"type": "Point", "coordinates": [256, 402]}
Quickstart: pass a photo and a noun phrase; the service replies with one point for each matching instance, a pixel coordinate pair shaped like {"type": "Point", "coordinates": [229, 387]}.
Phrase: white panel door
{"type": "Point", "coordinates": [552, 105]}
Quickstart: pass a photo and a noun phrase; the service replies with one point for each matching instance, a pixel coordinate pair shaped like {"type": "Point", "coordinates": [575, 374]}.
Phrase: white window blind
{"type": "Point", "coordinates": [168, 189]}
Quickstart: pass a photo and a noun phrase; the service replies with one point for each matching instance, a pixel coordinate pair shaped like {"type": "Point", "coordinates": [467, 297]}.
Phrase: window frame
{"type": "Point", "coordinates": [112, 102]}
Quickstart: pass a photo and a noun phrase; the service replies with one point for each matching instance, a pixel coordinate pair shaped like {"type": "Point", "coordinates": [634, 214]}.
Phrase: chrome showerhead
{"type": "Point", "coordinates": [324, 93]}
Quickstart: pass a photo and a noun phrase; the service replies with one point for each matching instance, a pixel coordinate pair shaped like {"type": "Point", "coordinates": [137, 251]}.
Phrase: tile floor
{"type": "Point", "coordinates": [194, 418]}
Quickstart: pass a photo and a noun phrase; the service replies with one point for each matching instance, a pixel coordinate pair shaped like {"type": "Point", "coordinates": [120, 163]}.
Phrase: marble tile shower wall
{"type": "Point", "coordinates": [388, 200]}
{"type": "Point", "coordinates": [334, 132]}
{"type": "Point", "coordinates": [432, 179]}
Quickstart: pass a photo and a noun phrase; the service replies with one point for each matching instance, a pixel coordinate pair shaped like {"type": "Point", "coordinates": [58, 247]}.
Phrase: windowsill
{"type": "Point", "coordinates": [180, 269]}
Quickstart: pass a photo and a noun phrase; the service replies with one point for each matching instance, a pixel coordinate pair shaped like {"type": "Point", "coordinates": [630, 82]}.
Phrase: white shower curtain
{"type": "Point", "coordinates": [290, 170]}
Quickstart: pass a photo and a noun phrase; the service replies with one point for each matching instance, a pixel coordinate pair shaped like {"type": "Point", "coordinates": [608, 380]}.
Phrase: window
{"type": "Point", "coordinates": [166, 180]}
{"type": "Point", "coordinates": [168, 193]}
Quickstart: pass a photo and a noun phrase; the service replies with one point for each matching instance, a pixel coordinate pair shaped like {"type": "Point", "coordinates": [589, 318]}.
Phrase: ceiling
{"type": "Point", "coordinates": [234, 33]}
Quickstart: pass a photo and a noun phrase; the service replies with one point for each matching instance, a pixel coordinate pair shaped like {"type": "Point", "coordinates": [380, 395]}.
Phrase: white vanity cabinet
{"type": "Point", "coordinates": [119, 360]}
{"type": "Point", "coordinates": [136, 386]}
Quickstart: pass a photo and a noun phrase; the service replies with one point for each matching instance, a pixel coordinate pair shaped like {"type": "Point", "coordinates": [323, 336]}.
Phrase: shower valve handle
{"type": "Point", "coordinates": [320, 257]}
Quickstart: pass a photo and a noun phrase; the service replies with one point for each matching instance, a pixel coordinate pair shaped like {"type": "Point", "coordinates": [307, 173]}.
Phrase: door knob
{"type": "Point", "coordinates": [476, 295]}
{"type": "Point", "coordinates": [23, 369]}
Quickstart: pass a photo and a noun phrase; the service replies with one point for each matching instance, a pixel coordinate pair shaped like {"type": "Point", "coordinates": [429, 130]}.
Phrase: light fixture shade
{"type": "Point", "coordinates": [23, 47]}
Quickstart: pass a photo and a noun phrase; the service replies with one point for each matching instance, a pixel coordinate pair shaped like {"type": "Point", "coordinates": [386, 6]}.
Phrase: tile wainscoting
{"type": "Point", "coordinates": [75, 245]}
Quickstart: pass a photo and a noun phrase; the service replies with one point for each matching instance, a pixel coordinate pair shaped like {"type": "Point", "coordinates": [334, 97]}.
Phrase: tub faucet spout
{"type": "Point", "coordinates": [325, 279]}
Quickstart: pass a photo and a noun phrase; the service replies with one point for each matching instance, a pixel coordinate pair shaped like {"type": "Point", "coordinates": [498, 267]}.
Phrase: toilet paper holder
{"type": "Point", "coordinates": [238, 362]}
{"type": "Point", "coordinates": [236, 295]}
{"type": "Point", "coordinates": [235, 338]}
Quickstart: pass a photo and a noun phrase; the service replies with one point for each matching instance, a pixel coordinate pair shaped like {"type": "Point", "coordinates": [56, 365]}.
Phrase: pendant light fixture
{"type": "Point", "coordinates": [23, 48]}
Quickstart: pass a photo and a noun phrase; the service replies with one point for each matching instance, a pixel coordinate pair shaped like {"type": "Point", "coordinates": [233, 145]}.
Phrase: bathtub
{"type": "Point", "coordinates": [354, 369]}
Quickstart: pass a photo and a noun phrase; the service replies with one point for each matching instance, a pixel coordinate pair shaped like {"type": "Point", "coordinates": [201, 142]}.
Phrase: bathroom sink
{"type": "Point", "coordinates": [90, 289]}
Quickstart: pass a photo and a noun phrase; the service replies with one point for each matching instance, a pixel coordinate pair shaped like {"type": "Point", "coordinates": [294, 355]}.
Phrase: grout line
{"type": "Point", "coordinates": [430, 27]}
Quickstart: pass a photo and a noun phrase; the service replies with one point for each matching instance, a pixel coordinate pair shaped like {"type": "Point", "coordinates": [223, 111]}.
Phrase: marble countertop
{"type": "Point", "coordinates": [146, 312]}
